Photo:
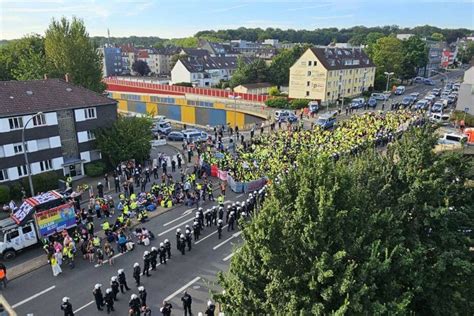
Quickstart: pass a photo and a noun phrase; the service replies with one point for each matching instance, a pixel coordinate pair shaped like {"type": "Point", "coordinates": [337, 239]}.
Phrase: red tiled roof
{"type": "Point", "coordinates": [25, 97]}
{"type": "Point", "coordinates": [142, 54]}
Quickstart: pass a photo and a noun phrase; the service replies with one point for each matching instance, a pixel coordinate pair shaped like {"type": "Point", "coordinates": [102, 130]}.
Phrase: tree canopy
{"type": "Point", "coordinates": [467, 53]}
{"type": "Point", "coordinates": [128, 137]}
{"type": "Point", "coordinates": [378, 233]}
{"type": "Point", "coordinates": [256, 71]}
{"type": "Point", "coordinates": [141, 67]}
{"type": "Point", "coordinates": [279, 70]}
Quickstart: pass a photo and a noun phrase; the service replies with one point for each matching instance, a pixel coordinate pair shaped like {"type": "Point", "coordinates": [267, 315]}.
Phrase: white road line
{"type": "Point", "coordinates": [228, 257]}
{"type": "Point", "coordinates": [26, 300]}
{"type": "Point", "coordinates": [106, 261]}
{"type": "Point", "coordinates": [239, 196]}
{"type": "Point", "coordinates": [197, 242]}
{"type": "Point", "coordinates": [227, 240]}
{"type": "Point", "coordinates": [82, 307]}
{"type": "Point", "coordinates": [183, 288]}
{"type": "Point", "coordinates": [178, 218]}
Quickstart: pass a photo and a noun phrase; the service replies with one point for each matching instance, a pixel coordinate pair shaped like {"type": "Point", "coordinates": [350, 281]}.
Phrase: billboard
{"type": "Point", "coordinates": [55, 219]}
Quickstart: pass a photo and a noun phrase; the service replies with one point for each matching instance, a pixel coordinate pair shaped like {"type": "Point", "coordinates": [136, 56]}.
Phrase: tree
{"type": "Point", "coordinates": [253, 72]}
{"type": "Point", "coordinates": [466, 53]}
{"type": "Point", "coordinates": [128, 138]}
{"type": "Point", "coordinates": [415, 57]}
{"type": "Point", "coordinates": [387, 55]}
{"type": "Point", "coordinates": [141, 67]}
{"type": "Point", "coordinates": [370, 234]}
{"type": "Point", "coordinates": [279, 70]}
{"type": "Point", "coordinates": [371, 40]}
{"type": "Point", "coordinates": [437, 37]}
{"type": "Point", "coordinates": [69, 50]}
{"type": "Point", "coordinates": [273, 92]}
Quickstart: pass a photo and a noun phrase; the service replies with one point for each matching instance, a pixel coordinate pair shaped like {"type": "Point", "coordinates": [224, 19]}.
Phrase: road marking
{"type": "Point", "coordinates": [197, 242]}
{"type": "Point", "coordinates": [106, 261]}
{"type": "Point", "coordinates": [228, 257]}
{"type": "Point", "coordinates": [26, 300]}
{"type": "Point", "coordinates": [81, 308]}
{"type": "Point", "coordinates": [227, 240]}
{"type": "Point", "coordinates": [183, 288]}
{"type": "Point", "coordinates": [239, 196]}
{"type": "Point", "coordinates": [186, 213]}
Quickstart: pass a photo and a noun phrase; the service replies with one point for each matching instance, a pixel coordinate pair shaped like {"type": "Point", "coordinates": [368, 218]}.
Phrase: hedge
{"type": "Point", "coordinates": [95, 169]}
{"type": "Point", "coordinates": [4, 194]}
{"type": "Point", "coordinates": [297, 104]}
{"type": "Point", "coordinates": [42, 182]}
{"type": "Point", "coordinates": [281, 103]}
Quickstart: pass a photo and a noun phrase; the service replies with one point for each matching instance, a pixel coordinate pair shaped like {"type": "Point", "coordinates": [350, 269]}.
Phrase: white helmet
{"type": "Point", "coordinates": [195, 222]}
{"type": "Point", "coordinates": [141, 288]}
{"type": "Point", "coordinates": [209, 303]}
{"type": "Point", "coordinates": [233, 204]}
{"type": "Point", "coordinates": [178, 230]}
{"type": "Point", "coordinates": [114, 278]}
{"type": "Point", "coordinates": [153, 249]}
{"type": "Point", "coordinates": [248, 200]}
{"type": "Point", "coordinates": [133, 296]}
{"type": "Point", "coordinates": [228, 206]}
{"type": "Point", "coordinates": [120, 271]}
{"type": "Point", "coordinates": [108, 291]}
{"type": "Point", "coordinates": [187, 226]}
{"type": "Point", "coordinates": [250, 195]}
{"type": "Point", "coordinates": [232, 213]}
{"type": "Point", "coordinates": [197, 216]}
{"type": "Point", "coordinates": [219, 221]}
{"type": "Point", "coordinates": [136, 264]}
{"type": "Point", "coordinates": [197, 213]}
{"type": "Point", "coordinates": [97, 286]}
{"type": "Point", "coordinates": [182, 236]}
{"type": "Point", "coordinates": [214, 207]}
{"type": "Point", "coordinates": [166, 241]}
{"type": "Point", "coordinates": [200, 209]}
{"type": "Point", "coordinates": [238, 203]}
{"type": "Point", "coordinates": [146, 253]}
{"type": "Point", "coordinates": [162, 244]}
{"type": "Point", "coordinates": [65, 299]}
{"type": "Point", "coordinates": [221, 208]}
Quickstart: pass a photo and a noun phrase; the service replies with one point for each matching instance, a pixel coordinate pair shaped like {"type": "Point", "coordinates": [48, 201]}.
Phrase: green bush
{"type": "Point", "coordinates": [15, 191]}
{"type": "Point", "coordinates": [281, 103]}
{"type": "Point", "coordinates": [4, 194]}
{"type": "Point", "coordinates": [95, 169]}
{"type": "Point", "coordinates": [298, 104]}
{"type": "Point", "coordinates": [42, 182]}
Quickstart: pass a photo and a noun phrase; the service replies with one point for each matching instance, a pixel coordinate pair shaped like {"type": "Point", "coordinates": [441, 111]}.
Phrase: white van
{"type": "Point", "coordinates": [400, 90]}
{"type": "Point", "coordinates": [452, 139]}
{"type": "Point", "coordinates": [442, 119]}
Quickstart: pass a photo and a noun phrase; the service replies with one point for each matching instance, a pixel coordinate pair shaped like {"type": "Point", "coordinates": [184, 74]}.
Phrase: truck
{"type": "Point", "coordinates": [36, 219]}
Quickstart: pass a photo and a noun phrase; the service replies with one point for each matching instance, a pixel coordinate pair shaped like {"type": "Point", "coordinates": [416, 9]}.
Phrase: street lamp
{"type": "Point", "coordinates": [235, 97]}
{"type": "Point", "coordinates": [32, 191]}
{"type": "Point", "coordinates": [388, 74]}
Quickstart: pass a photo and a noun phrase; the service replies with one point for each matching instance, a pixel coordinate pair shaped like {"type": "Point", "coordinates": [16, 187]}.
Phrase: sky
{"type": "Point", "coordinates": [181, 18]}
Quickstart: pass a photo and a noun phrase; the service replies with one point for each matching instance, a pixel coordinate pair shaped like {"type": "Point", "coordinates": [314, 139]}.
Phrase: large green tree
{"type": "Point", "coordinates": [466, 53]}
{"type": "Point", "coordinates": [128, 138]}
{"type": "Point", "coordinates": [279, 70]}
{"type": "Point", "coordinates": [373, 234]}
{"type": "Point", "coordinates": [415, 57]}
{"type": "Point", "coordinates": [256, 71]}
{"type": "Point", "coordinates": [69, 50]}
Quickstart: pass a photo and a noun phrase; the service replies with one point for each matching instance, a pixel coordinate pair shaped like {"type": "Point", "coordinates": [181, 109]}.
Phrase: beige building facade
{"type": "Point", "coordinates": [327, 73]}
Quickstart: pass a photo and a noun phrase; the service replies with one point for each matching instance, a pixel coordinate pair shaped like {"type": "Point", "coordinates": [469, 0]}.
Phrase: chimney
{"type": "Point", "coordinates": [45, 77]}
{"type": "Point", "coordinates": [66, 77]}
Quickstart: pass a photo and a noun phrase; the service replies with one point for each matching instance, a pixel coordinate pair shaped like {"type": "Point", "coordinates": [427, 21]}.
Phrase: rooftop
{"type": "Point", "coordinates": [26, 97]}
{"type": "Point", "coordinates": [342, 58]}
{"type": "Point", "coordinates": [256, 85]}
{"type": "Point", "coordinates": [210, 63]}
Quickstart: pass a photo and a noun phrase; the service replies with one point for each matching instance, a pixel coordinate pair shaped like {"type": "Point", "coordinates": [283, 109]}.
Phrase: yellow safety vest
{"type": "Point", "coordinates": [96, 242]}
{"type": "Point", "coordinates": [170, 203]}
{"type": "Point", "coordinates": [133, 205]}
{"type": "Point", "coordinates": [105, 226]}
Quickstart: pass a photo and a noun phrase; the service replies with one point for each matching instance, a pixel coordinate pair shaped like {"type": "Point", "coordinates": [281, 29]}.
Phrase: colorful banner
{"type": "Point", "coordinates": [222, 175]}
{"type": "Point", "coordinates": [23, 212]}
{"type": "Point", "coordinates": [55, 219]}
{"type": "Point", "coordinates": [237, 187]}
{"type": "Point", "coordinates": [254, 185]}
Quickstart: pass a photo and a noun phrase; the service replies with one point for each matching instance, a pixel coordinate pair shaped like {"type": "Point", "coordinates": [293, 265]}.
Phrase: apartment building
{"type": "Point", "coordinates": [111, 61]}
{"type": "Point", "coordinates": [61, 138]}
{"type": "Point", "coordinates": [327, 73]}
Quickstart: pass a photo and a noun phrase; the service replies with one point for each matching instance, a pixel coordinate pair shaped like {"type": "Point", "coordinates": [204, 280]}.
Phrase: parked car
{"type": "Point", "coordinates": [429, 82]}
{"type": "Point", "coordinates": [400, 90]}
{"type": "Point", "coordinates": [326, 121]}
{"type": "Point", "coordinates": [175, 136]}
{"type": "Point", "coordinates": [452, 99]}
{"type": "Point", "coordinates": [285, 116]}
{"type": "Point", "coordinates": [418, 79]}
{"type": "Point", "coordinates": [452, 139]}
{"type": "Point", "coordinates": [379, 96]}
{"type": "Point", "coordinates": [436, 92]}
{"type": "Point", "coordinates": [437, 107]}
{"type": "Point", "coordinates": [357, 103]}
{"type": "Point", "coordinates": [313, 107]}
{"type": "Point", "coordinates": [161, 128]}
{"type": "Point", "coordinates": [422, 105]}
{"type": "Point", "coordinates": [415, 95]}
{"type": "Point", "coordinates": [407, 101]}
{"type": "Point", "coordinates": [442, 119]}
{"type": "Point", "coordinates": [372, 102]}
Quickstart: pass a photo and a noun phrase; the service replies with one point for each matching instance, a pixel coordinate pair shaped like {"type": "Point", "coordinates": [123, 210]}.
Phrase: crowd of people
{"type": "Point", "coordinates": [236, 213]}
{"type": "Point", "coordinates": [269, 154]}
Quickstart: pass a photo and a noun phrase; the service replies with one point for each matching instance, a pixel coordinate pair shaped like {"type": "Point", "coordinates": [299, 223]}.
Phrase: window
{"type": "Point", "coordinates": [27, 229]}
{"type": "Point", "coordinates": [89, 113]}
{"type": "Point", "coordinates": [22, 170]}
{"type": "Point", "coordinates": [2, 152]}
{"type": "Point", "coordinates": [309, 63]}
{"type": "Point", "coordinates": [315, 63]}
{"type": "Point", "coordinates": [307, 93]}
{"type": "Point", "coordinates": [3, 175]}
{"type": "Point", "coordinates": [39, 120]}
{"type": "Point", "coordinates": [18, 148]}
{"type": "Point", "coordinates": [349, 90]}
{"type": "Point", "coordinates": [13, 234]}
{"type": "Point", "coordinates": [308, 83]}
{"type": "Point", "coordinates": [46, 165]}
{"type": "Point", "coordinates": [15, 122]}
{"type": "Point", "coordinates": [90, 135]}
{"type": "Point", "coordinates": [309, 73]}
{"type": "Point", "coordinates": [43, 144]}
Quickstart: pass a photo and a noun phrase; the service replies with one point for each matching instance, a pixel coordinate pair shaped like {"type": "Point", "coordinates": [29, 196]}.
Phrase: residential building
{"type": "Point", "coordinates": [194, 53]}
{"type": "Point", "coordinates": [253, 49]}
{"type": "Point", "coordinates": [204, 71]}
{"type": "Point", "coordinates": [272, 42]}
{"type": "Point", "coordinates": [465, 101]}
{"type": "Point", "coordinates": [162, 60]}
{"type": "Point", "coordinates": [111, 61]}
{"type": "Point", "coordinates": [61, 138]}
{"type": "Point", "coordinates": [128, 58]}
{"type": "Point", "coordinates": [254, 88]}
{"type": "Point", "coordinates": [404, 36]}
{"type": "Point", "coordinates": [435, 53]}
{"type": "Point", "coordinates": [327, 74]}
{"type": "Point", "coordinates": [218, 49]}
{"type": "Point", "coordinates": [447, 58]}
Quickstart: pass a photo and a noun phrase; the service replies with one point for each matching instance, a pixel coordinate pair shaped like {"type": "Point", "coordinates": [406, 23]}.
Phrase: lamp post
{"type": "Point", "coordinates": [32, 190]}
{"type": "Point", "coordinates": [235, 97]}
{"type": "Point", "coordinates": [388, 74]}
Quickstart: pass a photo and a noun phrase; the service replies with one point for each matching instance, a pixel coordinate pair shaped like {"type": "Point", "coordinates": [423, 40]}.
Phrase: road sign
{"type": "Point", "coordinates": [466, 110]}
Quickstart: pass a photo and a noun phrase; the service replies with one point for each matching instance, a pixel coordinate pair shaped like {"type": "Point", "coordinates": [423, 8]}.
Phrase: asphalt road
{"type": "Point", "coordinates": [40, 293]}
